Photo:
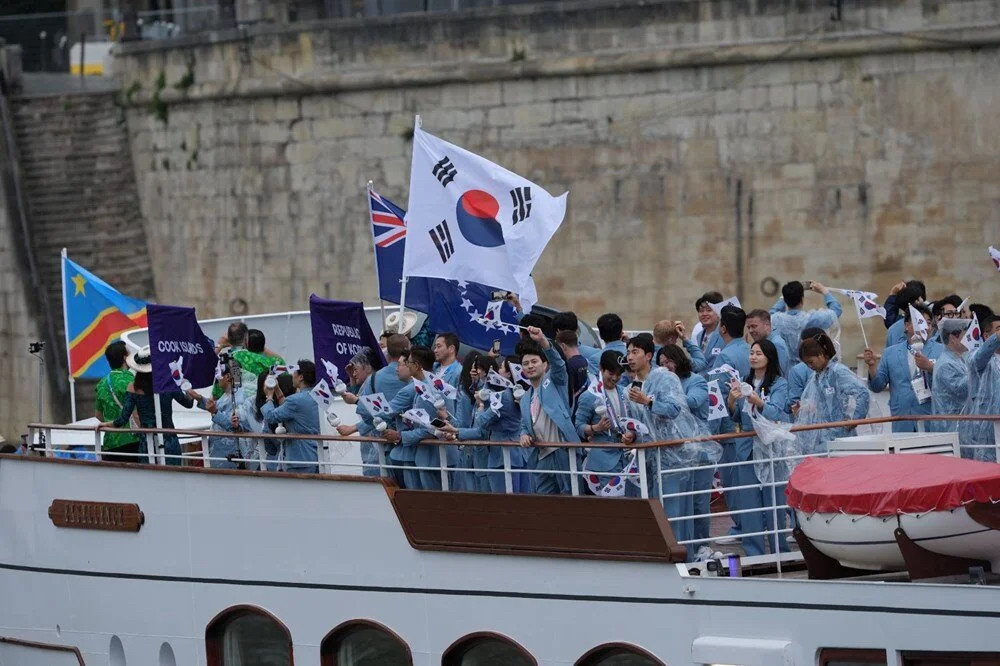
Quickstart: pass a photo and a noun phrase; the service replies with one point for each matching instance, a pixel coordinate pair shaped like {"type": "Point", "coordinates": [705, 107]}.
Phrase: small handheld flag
{"type": "Point", "coordinates": [920, 326]}
{"type": "Point", "coordinates": [629, 424]}
{"type": "Point", "coordinates": [376, 404]}
{"type": "Point", "coordinates": [717, 307]}
{"type": "Point", "coordinates": [418, 416]}
{"type": "Point", "coordinates": [443, 387]}
{"type": "Point", "coordinates": [321, 394]}
{"type": "Point", "coordinates": [494, 378]}
{"type": "Point", "coordinates": [866, 304]}
{"type": "Point", "coordinates": [973, 338]}
{"type": "Point", "coordinates": [726, 369]}
{"type": "Point", "coordinates": [995, 256]}
{"type": "Point", "coordinates": [331, 370]}
{"type": "Point", "coordinates": [496, 402]}
{"type": "Point", "coordinates": [716, 407]}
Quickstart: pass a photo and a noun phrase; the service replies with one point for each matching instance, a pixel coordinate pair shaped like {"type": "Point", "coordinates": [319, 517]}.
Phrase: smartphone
{"type": "Point", "coordinates": [438, 423]}
{"type": "Point", "coordinates": [499, 295]}
{"type": "Point", "coordinates": [496, 347]}
{"type": "Point", "coordinates": [637, 384]}
{"type": "Point", "coordinates": [807, 284]}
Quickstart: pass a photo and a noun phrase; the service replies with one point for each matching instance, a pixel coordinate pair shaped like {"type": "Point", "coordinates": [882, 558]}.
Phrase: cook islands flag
{"type": "Point", "coordinates": [96, 315]}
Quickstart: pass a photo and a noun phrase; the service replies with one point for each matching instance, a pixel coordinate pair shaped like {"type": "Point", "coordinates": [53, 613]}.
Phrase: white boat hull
{"type": "Point", "coordinates": [868, 542]}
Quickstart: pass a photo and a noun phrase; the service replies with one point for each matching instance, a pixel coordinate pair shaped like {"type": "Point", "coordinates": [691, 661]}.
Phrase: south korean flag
{"type": "Point", "coordinates": [470, 219]}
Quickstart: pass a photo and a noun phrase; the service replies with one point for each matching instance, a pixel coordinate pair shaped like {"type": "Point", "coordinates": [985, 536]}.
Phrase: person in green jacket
{"type": "Point", "coordinates": [111, 391]}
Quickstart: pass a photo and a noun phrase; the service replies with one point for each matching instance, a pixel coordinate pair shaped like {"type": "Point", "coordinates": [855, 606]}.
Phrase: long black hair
{"type": "Point", "coordinates": [680, 359]}
{"type": "Point", "coordinates": [773, 370]}
{"type": "Point", "coordinates": [144, 382]}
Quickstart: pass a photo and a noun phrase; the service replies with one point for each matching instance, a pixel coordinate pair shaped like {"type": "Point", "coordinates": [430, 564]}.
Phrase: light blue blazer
{"type": "Point", "coordinates": [554, 401]}
{"type": "Point", "coordinates": [598, 459]}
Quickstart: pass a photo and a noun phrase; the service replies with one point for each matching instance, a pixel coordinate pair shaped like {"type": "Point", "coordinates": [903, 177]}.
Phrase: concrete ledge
{"type": "Point", "coordinates": [818, 44]}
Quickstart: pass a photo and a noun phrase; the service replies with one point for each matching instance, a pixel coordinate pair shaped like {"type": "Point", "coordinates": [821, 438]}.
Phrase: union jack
{"type": "Point", "coordinates": [388, 219]}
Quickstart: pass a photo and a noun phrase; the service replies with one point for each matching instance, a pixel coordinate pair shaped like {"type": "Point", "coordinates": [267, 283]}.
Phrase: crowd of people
{"type": "Point", "coordinates": [752, 373]}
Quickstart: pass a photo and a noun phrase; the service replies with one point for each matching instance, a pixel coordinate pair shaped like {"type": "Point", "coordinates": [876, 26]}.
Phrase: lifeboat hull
{"type": "Point", "coordinates": [869, 542]}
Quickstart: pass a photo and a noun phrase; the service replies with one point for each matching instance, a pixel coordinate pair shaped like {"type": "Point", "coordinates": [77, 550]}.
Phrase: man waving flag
{"type": "Point", "coordinates": [470, 219]}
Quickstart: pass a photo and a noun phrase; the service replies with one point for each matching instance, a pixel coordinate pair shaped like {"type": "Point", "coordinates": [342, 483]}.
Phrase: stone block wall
{"type": "Point", "coordinates": [19, 326]}
{"type": "Point", "coordinates": [715, 145]}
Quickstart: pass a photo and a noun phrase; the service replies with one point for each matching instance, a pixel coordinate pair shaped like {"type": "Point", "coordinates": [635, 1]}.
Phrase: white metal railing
{"type": "Point", "coordinates": [773, 535]}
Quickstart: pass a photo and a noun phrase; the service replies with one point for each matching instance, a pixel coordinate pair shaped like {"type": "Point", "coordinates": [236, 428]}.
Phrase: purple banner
{"type": "Point", "coordinates": [180, 349]}
{"type": "Point", "coordinates": [340, 330]}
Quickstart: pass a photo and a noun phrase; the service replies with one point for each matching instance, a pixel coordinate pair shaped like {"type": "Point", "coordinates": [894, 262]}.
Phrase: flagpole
{"type": "Point", "coordinates": [861, 323]}
{"type": "Point", "coordinates": [159, 458]}
{"type": "Point", "coordinates": [378, 277]}
{"type": "Point", "coordinates": [69, 366]}
{"type": "Point", "coordinates": [402, 288]}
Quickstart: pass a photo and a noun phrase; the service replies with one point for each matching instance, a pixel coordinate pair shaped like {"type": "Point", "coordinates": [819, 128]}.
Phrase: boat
{"type": "Point", "coordinates": [124, 564]}
{"type": "Point", "coordinates": [865, 511]}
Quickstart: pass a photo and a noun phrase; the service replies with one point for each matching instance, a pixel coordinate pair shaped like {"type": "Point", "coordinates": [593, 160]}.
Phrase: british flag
{"type": "Point", "coordinates": [388, 220]}
{"type": "Point", "coordinates": [389, 238]}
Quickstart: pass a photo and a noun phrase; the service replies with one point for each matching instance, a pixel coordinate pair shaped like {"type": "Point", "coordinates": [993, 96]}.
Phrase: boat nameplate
{"type": "Point", "coordinates": [80, 514]}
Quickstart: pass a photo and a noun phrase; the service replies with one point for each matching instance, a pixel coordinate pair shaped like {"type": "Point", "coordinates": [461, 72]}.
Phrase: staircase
{"type": "Point", "coordinates": [81, 194]}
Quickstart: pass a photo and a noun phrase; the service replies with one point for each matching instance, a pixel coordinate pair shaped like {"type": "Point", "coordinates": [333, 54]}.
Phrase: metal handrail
{"type": "Point", "coordinates": [567, 445]}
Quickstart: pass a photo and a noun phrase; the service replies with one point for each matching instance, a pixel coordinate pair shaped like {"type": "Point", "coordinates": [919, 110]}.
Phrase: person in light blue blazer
{"type": "Point", "coordinates": [706, 334]}
{"type": "Point", "coordinates": [497, 419]}
{"type": "Point", "coordinates": [446, 363]}
{"type": "Point", "coordinates": [695, 386]}
{"type": "Point", "coordinates": [788, 319]}
{"type": "Point", "coordinates": [904, 370]}
{"type": "Point", "coordinates": [736, 354]}
{"type": "Point", "coordinates": [409, 451]}
{"type": "Point", "coordinates": [597, 420]}
{"type": "Point", "coordinates": [768, 399]}
{"type": "Point", "coordinates": [471, 380]}
{"type": "Point", "coordinates": [299, 413]}
{"type": "Point", "coordinates": [609, 329]}
{"type": "Point", "coordinates": [385, 381]}
{"type": "Point", "coordinates": [978, 437]}
{"type": "Point", "coordinates": [545, 414]}
{"type": "Point", "coordinates": [759, 327]}
{"type": "Point", "coordinates": [950, 389]}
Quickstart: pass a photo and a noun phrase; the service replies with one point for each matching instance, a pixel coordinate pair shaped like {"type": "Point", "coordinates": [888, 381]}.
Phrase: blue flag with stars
{"type": "Point", "coordinates": [465, 309]}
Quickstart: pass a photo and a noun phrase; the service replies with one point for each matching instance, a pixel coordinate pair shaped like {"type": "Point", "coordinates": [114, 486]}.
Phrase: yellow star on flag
{"type": "Point", "coordinates": [79, 281]}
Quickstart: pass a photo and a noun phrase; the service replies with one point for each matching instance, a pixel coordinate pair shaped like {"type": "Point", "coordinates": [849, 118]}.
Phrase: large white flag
{"type": "Point", "coordinates": [470, 219]}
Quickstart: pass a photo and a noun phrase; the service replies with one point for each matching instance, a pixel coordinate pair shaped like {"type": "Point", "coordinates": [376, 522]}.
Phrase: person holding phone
{"type": "Point", "coordinates": [410, 452]}
{"type": "Point", "coordinates": [788, 318]}
{"type": "Point", "coordinates": [597, 420]}
{"type": "Point", "coordinates": [475, 367]}
{"type": "Point", "coordinates": [545, 414]}
{"type": "Point", "coordinates": [657, 399]}
{"type": "Point", "coordinates": [769, 399]}
{"type": "Point", "coordinates": [498, 420]}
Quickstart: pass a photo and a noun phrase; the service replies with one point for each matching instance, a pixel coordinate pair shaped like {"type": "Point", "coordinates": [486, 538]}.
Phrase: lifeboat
{"type": "Point", "coordinates": [880, 512]}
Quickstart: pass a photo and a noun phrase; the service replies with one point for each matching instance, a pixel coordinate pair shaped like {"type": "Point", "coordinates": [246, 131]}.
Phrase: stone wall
{"type": "Point", "coordinates": [19, 323]}
{"type": "Point", "coordinates": [721, 145]}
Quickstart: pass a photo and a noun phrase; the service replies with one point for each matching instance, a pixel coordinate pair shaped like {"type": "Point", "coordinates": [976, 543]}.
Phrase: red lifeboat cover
{"type": "Point", "coordinates": [885, 485]}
